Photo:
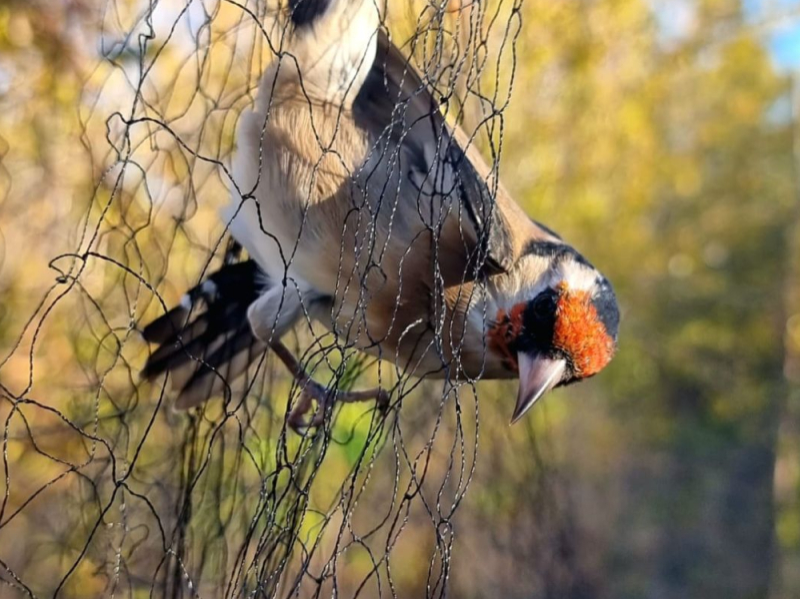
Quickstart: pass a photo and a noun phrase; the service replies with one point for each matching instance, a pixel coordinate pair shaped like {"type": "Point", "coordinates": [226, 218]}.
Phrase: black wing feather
{"type": "Point", "coordinates": [399, 108]}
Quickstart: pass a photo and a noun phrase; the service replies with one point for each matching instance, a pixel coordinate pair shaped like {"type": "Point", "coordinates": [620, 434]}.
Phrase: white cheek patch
{"type": "Point", "coordinates": [577, 276]}
{"type": "Point", "coordinates": [525, 282]}
{"type": "Point", "coordinates": [534, 274]}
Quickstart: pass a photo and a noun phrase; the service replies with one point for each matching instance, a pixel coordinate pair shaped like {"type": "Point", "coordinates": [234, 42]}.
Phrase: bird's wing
{"type": "Point", "coordinates": [441, 170]}
{"type": "Point", "coordinates": [373, 202]}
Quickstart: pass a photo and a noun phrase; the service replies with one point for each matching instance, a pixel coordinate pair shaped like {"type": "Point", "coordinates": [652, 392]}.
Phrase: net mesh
{"type": "Point", "coordinates": [116, 493]}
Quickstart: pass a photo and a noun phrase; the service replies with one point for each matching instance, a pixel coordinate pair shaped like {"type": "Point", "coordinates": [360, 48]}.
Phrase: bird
{"type": "Point", "coordinates": [362, 208]}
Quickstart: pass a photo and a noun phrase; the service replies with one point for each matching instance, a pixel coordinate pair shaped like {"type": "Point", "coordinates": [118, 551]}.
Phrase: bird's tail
{"type": "Point", "coordinates": [206, 341]}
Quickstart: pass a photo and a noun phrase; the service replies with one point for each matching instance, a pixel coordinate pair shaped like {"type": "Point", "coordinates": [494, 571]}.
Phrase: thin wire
{"type": "Point", "coordinates": [225, 499]}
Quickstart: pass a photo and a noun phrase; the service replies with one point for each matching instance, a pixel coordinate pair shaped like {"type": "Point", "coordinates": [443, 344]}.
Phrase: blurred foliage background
{"type": "Point", "coordinates": [661, 137]}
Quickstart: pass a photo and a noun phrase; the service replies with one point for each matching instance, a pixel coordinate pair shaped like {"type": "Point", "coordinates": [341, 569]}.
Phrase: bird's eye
{"type": "Point", "coordinates": [545, 304]}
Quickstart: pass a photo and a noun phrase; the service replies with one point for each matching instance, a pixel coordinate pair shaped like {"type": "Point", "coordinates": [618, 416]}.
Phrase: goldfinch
{"type": "Point", "coordinates": [362, 208]}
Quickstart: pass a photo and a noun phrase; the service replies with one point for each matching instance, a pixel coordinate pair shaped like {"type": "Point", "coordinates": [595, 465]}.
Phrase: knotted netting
{"type": "Point", "coordinates": [110, 491]}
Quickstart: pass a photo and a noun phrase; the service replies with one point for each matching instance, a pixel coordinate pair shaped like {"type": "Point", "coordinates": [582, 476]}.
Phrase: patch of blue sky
{"type": "Point", "coordinates": [785, 47]}
{"type": "Point", "coordinates": [676, 18]}
{"type": "Point", "coordinates": [782, 38]}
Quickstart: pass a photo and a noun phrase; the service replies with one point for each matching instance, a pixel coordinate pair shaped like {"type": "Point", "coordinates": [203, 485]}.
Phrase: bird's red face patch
{"type": "Point", "coordinates": [580, 334]}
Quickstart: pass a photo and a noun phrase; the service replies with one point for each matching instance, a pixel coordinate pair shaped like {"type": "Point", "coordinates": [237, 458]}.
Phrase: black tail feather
{"type": "Point", "coordinates": [204, 349]}
{"type": "Point", "coordinates": [196, 338]}
{"type": "Point", "coordinates": [165, 327]}
{"type": "Point", "coordinates": [165, 358]}
{"type": "Point", "coordinates": [223, 366]}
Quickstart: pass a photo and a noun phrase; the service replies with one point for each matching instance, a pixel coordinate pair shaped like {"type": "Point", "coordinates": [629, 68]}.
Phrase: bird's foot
{"type": "Point", "coordinates": [326, 398]}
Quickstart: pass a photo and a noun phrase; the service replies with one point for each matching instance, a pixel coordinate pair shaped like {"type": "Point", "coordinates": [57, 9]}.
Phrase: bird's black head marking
{"type": "Point", "coordinates": [605, 303]}
{"type": "Point", "coordinates": [556, 251]}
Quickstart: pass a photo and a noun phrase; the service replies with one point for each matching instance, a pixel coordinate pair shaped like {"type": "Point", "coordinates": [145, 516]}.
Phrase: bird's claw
{"type": "Point", "coordinates": [297, 417]}
{"type": "Point", "coordinates": [325, 397]}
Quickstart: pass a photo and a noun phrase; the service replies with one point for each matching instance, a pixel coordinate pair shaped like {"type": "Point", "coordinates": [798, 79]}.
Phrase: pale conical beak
{"type": "Point", "coordinates": [537, 375]}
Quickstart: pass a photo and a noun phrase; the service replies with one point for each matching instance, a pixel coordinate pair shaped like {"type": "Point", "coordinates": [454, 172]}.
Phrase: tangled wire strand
{"type": "Point", "coordinates": [225, 499]}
